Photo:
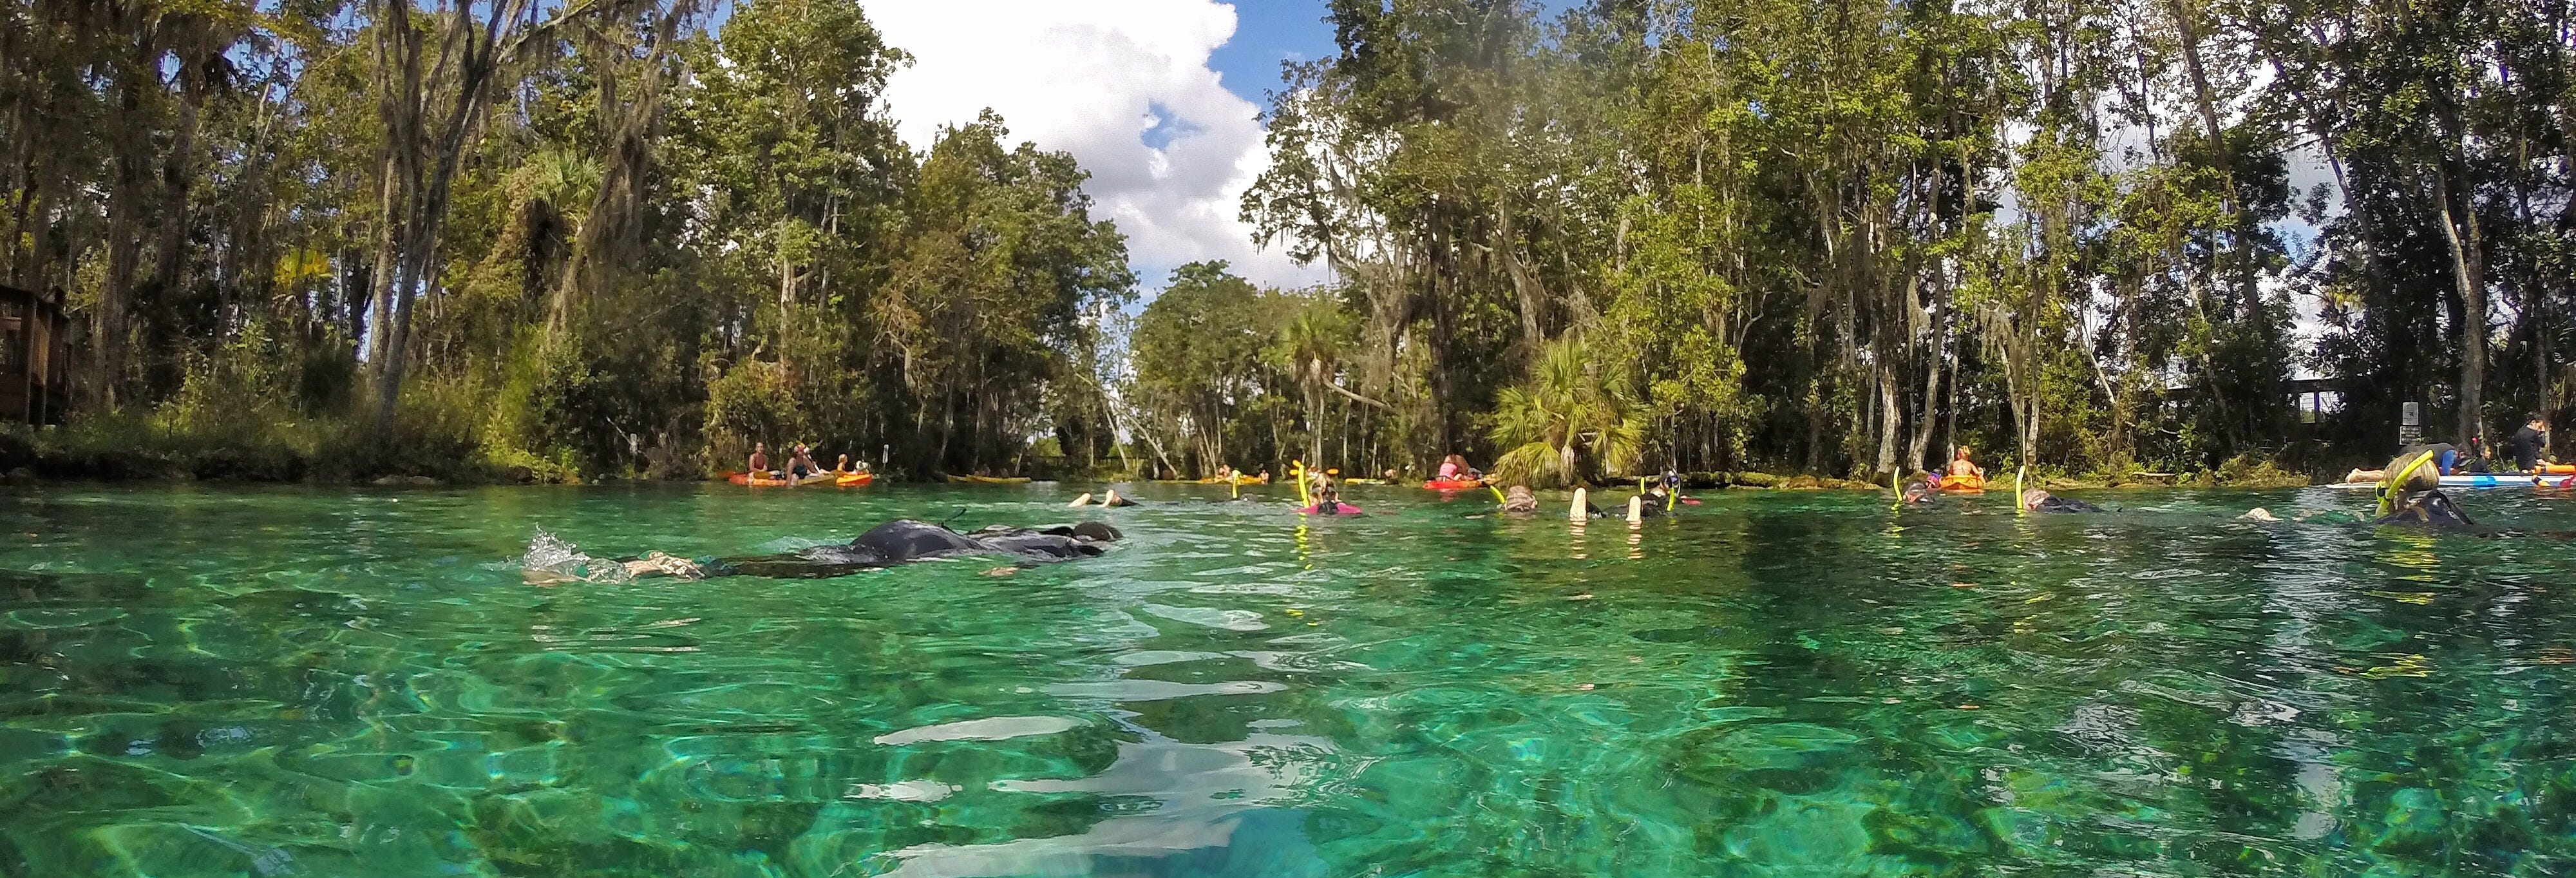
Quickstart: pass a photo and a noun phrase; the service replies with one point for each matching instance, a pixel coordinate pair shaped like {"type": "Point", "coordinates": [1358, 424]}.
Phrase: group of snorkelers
{"type": "Point", "coordinates": [2529, 447]}
{"type": "Point", "coordinates": [2410, 486]}
{"type": "Point", "coordinates": [2410, 495]}
{"type": "Point", "coordinates": [800, 464]}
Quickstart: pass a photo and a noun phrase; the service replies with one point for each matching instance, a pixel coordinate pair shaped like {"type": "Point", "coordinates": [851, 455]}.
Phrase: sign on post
{"type": "Point", "coordinates": [2410, 424]}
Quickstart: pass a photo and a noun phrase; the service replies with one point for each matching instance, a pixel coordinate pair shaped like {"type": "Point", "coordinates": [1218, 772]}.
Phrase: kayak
{"type": "Point", "coordinates": [1238, 480]}
{"type": "Point", "coordinates": [1452, 485]}
{"type": "Point", "coordinates": [855, 480]}
{"type": "Point", "coordinates": [988, 480]}
{"type": "Point", "coordinates": [1962, 484]}
{"type": "Point", "coordinates": [767, 482]}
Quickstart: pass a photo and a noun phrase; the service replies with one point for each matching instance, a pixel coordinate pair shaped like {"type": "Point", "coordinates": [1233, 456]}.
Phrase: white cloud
{"type": "Point", "coordinates": [1093, 77]}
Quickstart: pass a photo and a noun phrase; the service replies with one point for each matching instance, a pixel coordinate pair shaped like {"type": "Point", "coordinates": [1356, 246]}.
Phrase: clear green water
{"type": "Point", "coordinates": [245, 681]}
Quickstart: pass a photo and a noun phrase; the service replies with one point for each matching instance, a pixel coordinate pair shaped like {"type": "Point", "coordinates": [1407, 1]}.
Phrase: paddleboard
{"type": "Point", "coordinates": [2473, 481]}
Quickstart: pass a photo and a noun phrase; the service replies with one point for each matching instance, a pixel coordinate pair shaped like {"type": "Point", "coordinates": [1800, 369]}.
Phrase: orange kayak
{"type": "Point", "coordinates": [766, 482]}
{"type": "Point", "coordinates": [855, 480]}
{"type": "Point", "coordinates": [1962, 484]}
{"type": "Point", "coordinates": [1452, 485]}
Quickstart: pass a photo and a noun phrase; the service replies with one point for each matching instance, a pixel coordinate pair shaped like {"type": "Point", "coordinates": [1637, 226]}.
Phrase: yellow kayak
{"type": "Point", "coordinates": [988, 480]}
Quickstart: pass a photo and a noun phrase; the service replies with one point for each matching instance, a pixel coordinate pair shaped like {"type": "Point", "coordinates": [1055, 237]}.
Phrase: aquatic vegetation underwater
{"type": "Point", "coordinates": [283, 681]}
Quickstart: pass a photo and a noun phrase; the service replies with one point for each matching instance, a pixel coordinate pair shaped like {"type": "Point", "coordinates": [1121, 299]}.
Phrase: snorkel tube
{"type": "Point", "coordinates": [2388, 490]}
{"type": "Point", "coordinates": [1297, 468]}
{"type": "Point", "coordinates": [2020, 508]}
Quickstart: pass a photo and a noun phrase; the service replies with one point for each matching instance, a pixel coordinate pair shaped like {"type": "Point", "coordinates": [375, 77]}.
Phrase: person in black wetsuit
{"type": "Point", "coordinates": [2530, 444]}
{"type": "Point", "coordinates": [2430, 508]}
{"type": "Point", "coordinates": [2037, 500]}
{"type": "Point", "coordinates": [902, 541]}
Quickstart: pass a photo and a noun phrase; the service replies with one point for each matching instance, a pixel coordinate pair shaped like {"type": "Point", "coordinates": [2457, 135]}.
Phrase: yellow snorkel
{"type": "Point", "coordinates": [2018, 507]}
{"type": "Point", "coordinates": [2388, 490]}
{"type": "Point", "coordinates": [1895, 490]}
{"type": "Point", "coordinates": [1297, 468]}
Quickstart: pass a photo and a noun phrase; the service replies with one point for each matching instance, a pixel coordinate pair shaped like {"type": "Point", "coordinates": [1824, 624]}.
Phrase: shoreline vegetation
{"type": "Point", "coordinates": [29, 457]}
{"type": "Point", "coordinates": [1778, 243]}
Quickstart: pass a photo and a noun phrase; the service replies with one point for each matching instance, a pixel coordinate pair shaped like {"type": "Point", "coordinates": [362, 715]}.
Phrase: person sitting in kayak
{"type": "Point", "coordinates": [1107, 498]}
{"type": "Point", "coordinates": [1224, 473]}
{"type": "Point", "coordinates": [1962, 467]}
{"type": "Point", "coordinates": [841, 467]}
{"type": "Point", "coordinates": [801, 464]}
{"type": "Point", "coordinates": [1454, 468]}
{"type": "Point", "coordinates": [903, 541]}
{"type": "Point", "coordinates": [1263, 477]}
{"type": "Point", "coordinates": [758, 466]}
{"type": "Point", "coordinates": [2037, 500]}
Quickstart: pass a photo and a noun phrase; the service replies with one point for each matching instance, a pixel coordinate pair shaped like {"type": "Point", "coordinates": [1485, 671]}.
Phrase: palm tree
{"type": "Point", "coordinates": [1565, 414]}
{"type": "Point", "coordinates": [1312, 345]}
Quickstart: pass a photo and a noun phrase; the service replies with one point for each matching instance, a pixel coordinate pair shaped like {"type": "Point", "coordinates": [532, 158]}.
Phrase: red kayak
{"type": "Point", "coordinates": [1452, 485]}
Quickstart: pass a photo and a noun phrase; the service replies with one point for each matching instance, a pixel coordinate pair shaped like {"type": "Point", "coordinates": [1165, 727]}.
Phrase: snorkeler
{"type": "Point", "coordinates": [1108, 498]}
{"type": "Point", "coordinates": [1326, 498]}
{"type": "Point", "coordinates": [550, 560]}
{"type": "Point", "coordinates": [2425, 508]}
{"type": "Point", "coordinates": [1519, 501]}
{"type": "Point", "coordinates": [1924, 490]}
{"type": "Point", "coordinates": [2037, 500]}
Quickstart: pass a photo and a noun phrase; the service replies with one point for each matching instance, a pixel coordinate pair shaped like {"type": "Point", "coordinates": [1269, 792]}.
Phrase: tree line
{"type": "Point", "coordinates": [590, 237]}
{"type": "Point", "coordinates": [2099, 235]}
{"type": "Point", "coordinates": [1789, 235]}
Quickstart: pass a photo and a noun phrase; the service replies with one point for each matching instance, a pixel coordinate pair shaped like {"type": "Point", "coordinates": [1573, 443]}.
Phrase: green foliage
{"type": "Point", "coordinates": [1566, 425]}
{"type": "Point", "coordinates": [1837, 239]}
{"type": "Point", "coordinates": [1226, 373]}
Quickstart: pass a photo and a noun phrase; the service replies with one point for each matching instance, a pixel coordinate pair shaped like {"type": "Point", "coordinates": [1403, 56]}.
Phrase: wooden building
{"type": "Point", "coordinates": [35, 357]}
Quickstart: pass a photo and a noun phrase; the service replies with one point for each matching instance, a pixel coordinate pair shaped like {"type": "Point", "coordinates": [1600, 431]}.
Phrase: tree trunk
{"type": "Point", "coordinates": [1918, 450]}
{"type": "Point", "coordinates": [2461, 234]}
{"type": "Point", "coordinates": [1889, 416]}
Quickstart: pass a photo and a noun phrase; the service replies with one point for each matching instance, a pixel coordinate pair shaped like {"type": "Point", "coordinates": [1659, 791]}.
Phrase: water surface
{"type": "Point", "coordinates": [226, 681]}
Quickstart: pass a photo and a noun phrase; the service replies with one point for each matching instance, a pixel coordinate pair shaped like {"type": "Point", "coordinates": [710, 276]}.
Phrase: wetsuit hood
{"type": "Point", "coordinates": [2426, 509]}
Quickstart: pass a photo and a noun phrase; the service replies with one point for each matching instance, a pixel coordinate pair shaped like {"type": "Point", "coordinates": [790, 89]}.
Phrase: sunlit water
{"type": "Point", "coordinates": [270, 681]}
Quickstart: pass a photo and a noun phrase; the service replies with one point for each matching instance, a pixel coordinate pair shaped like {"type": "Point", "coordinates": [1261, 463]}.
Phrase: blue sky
{"type": "Point", "coordinates": [1160, 101]}
{"type": "Point", "coordinates": [1266, 33]}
